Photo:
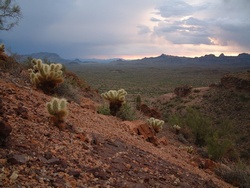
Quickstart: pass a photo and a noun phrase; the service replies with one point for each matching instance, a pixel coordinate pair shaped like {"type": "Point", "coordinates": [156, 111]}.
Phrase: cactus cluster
{"type": "Point", "coordinates": [115, 96]}
{"type": "Point", "coordinates": [116, 100]}
{"type": "Point", "coordinates": [2, 48]}
{"type": "Point", "coordinates": [156, 124]}
{"type": "Point", "coordinates": [45, 75]}
{"type": "Point", "coordinates": [58, 109]}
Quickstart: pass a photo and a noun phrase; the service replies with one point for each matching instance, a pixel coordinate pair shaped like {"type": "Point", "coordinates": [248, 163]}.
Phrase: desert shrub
{"type": "Point", "coordinates": [220, 142]}
{"type": "Point", "coordinates": [103, 109]}
{"type": "Point", "coordinates": [126, 112]}
{"type": "Point", "coordinates": [7, 63]}
{"type": "Point", "coordinates": [197, 91]}
{"type": "Point", "coordinates": [217, 139]}
{"type": "Point", "coordinates": [68, 91]}
{"type": "Point", "coordinates": [217, 147]}
{"type": "Point", "coordinates": [237, 175]}
{"type": "Point", "coordinates": [199, 125]}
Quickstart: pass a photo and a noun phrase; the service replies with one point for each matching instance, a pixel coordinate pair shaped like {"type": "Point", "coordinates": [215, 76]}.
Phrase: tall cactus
{"type": "Point", "coordinates": [44, 75]}
{"type": "Point", "coordinates": [116, 100]}
{"type": "Point", "coordinates": [138, 102]}
{"type": "Point", "coordinates": [156, 124]}
{"type": "Point", "coordinates": [58, 109]}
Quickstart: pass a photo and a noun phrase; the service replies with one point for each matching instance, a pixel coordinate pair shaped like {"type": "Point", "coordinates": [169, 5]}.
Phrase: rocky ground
{"type": "Point", "coordinates": [93, 150]}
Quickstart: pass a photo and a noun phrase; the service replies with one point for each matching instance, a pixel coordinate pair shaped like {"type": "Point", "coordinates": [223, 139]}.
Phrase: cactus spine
{"type": "Point", "coordinates": [57, 108]}
{"type": "Point", "coordinates": [45, 75]}
{"type": "Point", "coordinates": [156, 124]}
{"type": "Point", "coordinates": [116, 100]}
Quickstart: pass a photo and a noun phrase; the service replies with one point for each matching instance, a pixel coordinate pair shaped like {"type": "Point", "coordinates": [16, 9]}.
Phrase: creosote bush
{"type": "Point", "coordinates": [156, 124]}
{"type": "Point", "coordinates": [126, 112]}
{"type": "Point", "coordinates": [46, 76]}
{"type": "Point", "coordinates": [203, 133]}
{"type": "Point", "coordinates": [57, 108]}
{"type": "Point", "coordinates": [116, 100]}
{"type": "Point", "coordinates": [237, 175]}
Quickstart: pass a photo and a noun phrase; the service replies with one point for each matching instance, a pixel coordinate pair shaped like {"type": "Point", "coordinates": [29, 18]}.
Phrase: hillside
{"type": "Point", "coordinates": [216, 118]}
{"type": "Point", "coordinates": [93, 150]}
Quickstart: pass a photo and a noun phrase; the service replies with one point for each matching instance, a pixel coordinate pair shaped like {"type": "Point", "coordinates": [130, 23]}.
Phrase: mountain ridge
{"type": "Point", "coordinates": [242, 58]}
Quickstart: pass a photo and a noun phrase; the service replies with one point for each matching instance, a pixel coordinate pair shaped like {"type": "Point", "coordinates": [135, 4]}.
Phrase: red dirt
{"type": "Point", "coordinates": [94, 150]}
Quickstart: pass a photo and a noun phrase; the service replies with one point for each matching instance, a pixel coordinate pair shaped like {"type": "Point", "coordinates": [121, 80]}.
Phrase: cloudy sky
{"type": "Point", "coordinates": [131, 28]}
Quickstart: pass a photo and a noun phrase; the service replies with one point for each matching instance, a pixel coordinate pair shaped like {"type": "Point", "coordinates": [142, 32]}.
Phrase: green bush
{"type": "Point", "coordinates": [217, 139]}
{"type": "Point", "coordinates": [126, 112]}
{"type": "Point", "coordinates": [237, 175]}
{"type": "Point", "coordinates": [217, 147]}
{"type": "Point", "coordinates": [199, 125]}
{"type": "Point", "coordinates": [104, 109]}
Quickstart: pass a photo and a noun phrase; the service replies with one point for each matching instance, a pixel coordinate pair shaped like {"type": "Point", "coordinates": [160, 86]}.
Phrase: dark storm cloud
{"type": "Point", "coordinates": [111, 28]}
{"type": "Point", "coordinates": [64, 25]}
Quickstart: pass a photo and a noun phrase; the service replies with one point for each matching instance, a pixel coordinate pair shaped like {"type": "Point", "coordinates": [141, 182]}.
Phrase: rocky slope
{"type": "Point", "coordinates": [92, 151]}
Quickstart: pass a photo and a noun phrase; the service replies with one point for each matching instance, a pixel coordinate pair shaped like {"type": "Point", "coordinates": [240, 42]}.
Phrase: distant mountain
{"type": "Point", "coordinates": [242, 60]}
{"type": "Point", "coordinates": [53, 57]}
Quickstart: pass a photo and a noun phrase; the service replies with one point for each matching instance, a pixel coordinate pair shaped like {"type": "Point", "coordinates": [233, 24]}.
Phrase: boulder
{"type": "Point", "coordinates": [182, 91]}
{"type": "Point", "coordinates": [140, 127]}
{"type": "Point", "coordinates": [151, 112]}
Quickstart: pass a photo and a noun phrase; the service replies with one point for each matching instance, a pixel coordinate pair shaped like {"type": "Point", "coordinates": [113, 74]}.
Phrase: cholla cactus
{"type": "Point", "coordinates": [177, 129]}
{"type": "Point", "coordinates": [156, 124]}
{"type": "Point", "coordinates": [116, 100]}
{"type": "Point", "coordinates": [45, 75]}
{"type": "Point", "coordinates": [58, 109]}
{"type": "Point", "coordinates": [2, 48]}
{"type": "Point", "coordinates": [190, 149]}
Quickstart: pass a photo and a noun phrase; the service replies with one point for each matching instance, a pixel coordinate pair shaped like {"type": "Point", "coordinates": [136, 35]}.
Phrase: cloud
{"type": "Point", "coordinates": [153, 19]}
{"type": "Point", "coordinates": [175, 8]}
{"type": "Point", "coordinates": [89, 25]}
{"type": "Point", "coordinates": [143, 29]}
{"type": "Point", "coordinates": [213, 22]}
{"type": "Point", "coordinates": [111, 28]}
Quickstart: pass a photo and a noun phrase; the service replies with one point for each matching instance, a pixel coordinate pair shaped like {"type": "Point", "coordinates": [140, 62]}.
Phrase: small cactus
{"type": "Point", "coordinates": [45, 75]}
{"type": "Point", "coordinates": [2, 48]}
{"type": "Point", "coordinates": [177, 129]}
{"type": "Point", "coordinates": [116, 100]}
{"type": "Point", "coordinates": [156, 124]}
{"type": "Point", "coordinates": [58, 109]}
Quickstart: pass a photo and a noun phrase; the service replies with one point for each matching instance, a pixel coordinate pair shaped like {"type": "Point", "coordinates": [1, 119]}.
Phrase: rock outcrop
{"type": "Point", "coordinates": [239, 81]}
